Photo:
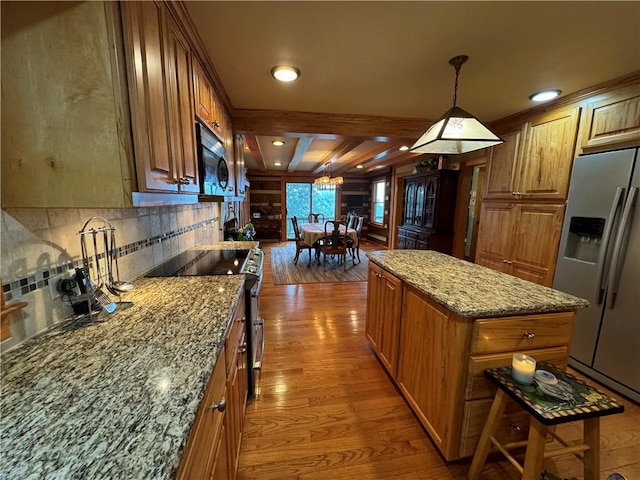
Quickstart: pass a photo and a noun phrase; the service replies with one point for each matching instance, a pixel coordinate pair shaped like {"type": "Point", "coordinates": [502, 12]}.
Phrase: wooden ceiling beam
{"type": "Point", "coordinates": [380, 151]}
{"type": "Point", "coordinates": [338, 151]}
{"type": "Point", "coordinates": [328, 125]}
{"type": "Point", "coordinates": [254, 147]}
{"type": "Point", "coordinates": [301, 148]}
{"type": "Point", "coordinates": [389, 160]}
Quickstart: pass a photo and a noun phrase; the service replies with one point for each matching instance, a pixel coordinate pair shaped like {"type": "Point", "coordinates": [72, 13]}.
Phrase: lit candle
{"type": "Point", "coordinates": [523, 368]}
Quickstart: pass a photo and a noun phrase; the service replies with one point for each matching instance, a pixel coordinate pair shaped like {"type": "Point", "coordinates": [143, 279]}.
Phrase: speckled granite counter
{"type": "Point", "coordinates": [115, 399]}
{"type": "Point", "coordinates": [472, 290]}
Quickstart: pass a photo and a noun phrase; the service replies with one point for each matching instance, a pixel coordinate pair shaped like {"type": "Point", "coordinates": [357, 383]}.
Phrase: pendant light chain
{"type": "Point", "coordinates": [457, 62]}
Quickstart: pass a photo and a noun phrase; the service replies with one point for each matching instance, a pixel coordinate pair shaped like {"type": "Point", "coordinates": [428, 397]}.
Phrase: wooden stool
{"type": "Point", "coordinates": [581, 402]}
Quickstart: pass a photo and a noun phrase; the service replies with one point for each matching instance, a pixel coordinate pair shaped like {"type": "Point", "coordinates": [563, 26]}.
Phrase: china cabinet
{"type": "Point", "coordinates": [429, 206]}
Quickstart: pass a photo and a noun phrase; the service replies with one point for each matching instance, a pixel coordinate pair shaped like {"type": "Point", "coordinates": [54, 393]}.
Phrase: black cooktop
{"type": "Point", "coordinates": [201, 262]}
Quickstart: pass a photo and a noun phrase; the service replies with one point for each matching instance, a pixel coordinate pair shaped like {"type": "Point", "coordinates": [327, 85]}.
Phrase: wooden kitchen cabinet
{"type": "Point", "coordinates": [521, 239]}
{"type": "Point", "coordinates": [384, 304]}
{"type": "Point", "coordinates": [534, 162]}
{"type": "Point", "coordinates": [207, 106]}
{"type": "Point", "coordinates": [611, 120]}
{"type": "Point", "coordinates": [157, 56]}
{"type": "Point", "coordinates": [429, 207]}
{"type": "Point", "coordinates": [442, 357]}
{"type": "Point", "coordinates": [213, 447]}
{"type": "Point", "coordinates": [242, 182]}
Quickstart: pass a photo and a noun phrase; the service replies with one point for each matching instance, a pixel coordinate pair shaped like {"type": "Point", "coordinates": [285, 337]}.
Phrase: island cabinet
{"type": "Point", "coordinates": [455, 320]}
{"type": "Point", "coordinates": [384, 304]}
{"type": "Point", "coordinates": [213, 446]}
{"type": "Point", "coordinates": [534, 162]}
{"type": "Point", "coordinates": [429, 206]}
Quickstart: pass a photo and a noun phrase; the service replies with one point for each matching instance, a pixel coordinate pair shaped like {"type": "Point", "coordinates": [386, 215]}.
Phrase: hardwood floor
{"type": "Point", "coordinates": [325, 409]}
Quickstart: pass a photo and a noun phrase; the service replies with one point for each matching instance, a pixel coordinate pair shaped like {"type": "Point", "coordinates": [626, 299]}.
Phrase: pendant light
{"type": "Point", "coordinates": [326, 181]}
{"type": "Point", "coordinates": [456, 131]}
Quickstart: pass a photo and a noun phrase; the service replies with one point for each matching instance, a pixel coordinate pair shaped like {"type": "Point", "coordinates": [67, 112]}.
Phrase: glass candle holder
{"type": "Point", "coordinates": [523, 368]}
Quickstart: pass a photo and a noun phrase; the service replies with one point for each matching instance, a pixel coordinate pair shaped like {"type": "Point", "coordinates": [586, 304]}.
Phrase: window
{"type": "Point", "coordinates": [378, 201]}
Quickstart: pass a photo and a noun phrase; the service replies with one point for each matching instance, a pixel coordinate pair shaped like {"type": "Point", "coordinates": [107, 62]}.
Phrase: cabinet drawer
{"type": "Point", "coordinates": [478, 386]}
{"type": "Point", "coordinates": [513, 427]}
{"type": "Point", "coordinates": [236, 329]}
{"type": "Point", "coordinates": [509, 334]}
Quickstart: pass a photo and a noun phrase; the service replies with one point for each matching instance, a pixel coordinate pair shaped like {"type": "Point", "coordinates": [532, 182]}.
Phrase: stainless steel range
{"type": "Point", "coordinates": [228, 261]}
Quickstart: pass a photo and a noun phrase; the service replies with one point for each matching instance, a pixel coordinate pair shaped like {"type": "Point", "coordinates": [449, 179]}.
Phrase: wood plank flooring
{"type": "Point", "coordinates": [325, 409]}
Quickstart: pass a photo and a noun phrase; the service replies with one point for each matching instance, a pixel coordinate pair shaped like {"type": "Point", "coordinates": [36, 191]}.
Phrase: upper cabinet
{"type": "Point", "coordinates": [611, 121]}
{"type": "Point", "coordinates": [158, 68]}
{"type": "Point", "coordinates": [535, 161]}
{"type": "Point", "coordinates": [208, 108]}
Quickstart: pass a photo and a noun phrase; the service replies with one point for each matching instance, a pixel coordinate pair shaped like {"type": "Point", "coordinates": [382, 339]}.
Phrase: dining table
{"type": "Point", "coordinates": [312, 232]}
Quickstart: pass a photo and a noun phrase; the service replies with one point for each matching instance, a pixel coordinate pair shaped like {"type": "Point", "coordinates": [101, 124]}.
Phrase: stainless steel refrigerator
{"type": "Point", "coordinates": [599, 259]}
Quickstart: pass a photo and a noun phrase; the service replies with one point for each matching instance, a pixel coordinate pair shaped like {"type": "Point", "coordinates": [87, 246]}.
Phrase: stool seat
{"type": "Point", "coordinates": [575, 401]}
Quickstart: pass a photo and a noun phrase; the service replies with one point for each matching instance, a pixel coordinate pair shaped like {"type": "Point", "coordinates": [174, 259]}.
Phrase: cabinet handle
{"type": "Point", "coordinates": [184, 181]}
{"type": "Point", "coordinates": [216, 123]}
{"type": "Point", "coordinates": [529, 335]}
{"type": "Point", "coordinates": [243, 348]}
{"type": "Point", "coordinates": [505, 261]}
{"type": "Point", "coordinates": [221, 406]}
{"type": "Point", "coordinates": [509, 262]}
{"type": "Point", "coordinates": [515, 428]}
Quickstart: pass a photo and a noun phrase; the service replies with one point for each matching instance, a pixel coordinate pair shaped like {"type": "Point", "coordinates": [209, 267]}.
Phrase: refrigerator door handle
{"type": "Point", "coordinates": [616, 260]}
{"type": "Point", "coordinates": [604, 248]}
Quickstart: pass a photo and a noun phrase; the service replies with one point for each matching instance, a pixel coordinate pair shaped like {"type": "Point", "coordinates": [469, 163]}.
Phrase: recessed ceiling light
{"type": "Point", "coordinates": [277, 164]}
{"type": "Point", "coordinates": [285, 73]}
{"type": "Point", "coordinates": [403, 148]}
{"type": "Point", "coordinates": [278, 143]}
{"type": "Point", "coordinates": [544, 95]}
{"type": "Point", "coordinates": [359, 166]}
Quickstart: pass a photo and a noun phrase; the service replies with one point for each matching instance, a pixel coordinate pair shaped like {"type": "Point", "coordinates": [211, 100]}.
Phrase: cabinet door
{"type": "Point", "coordinates": [535, 242]}
{"type": "Point", "coordinates": [431, 192]}
{"type": "Point", "coordinates": [241, 172]}
{"type": "Point", "coordinates": [547, 155]}
{"type": "Point", "coordinates": [203, 94]}
{"type": "Point", "coordinates": [410, 202]}
{"type": "Point", "coordinates": [502, 167]}
{"type": "Point", "coordinates": [418, 218]}
{"type": "Point", "coordinates": [144, 44]}
{"type": "Point", "coordinates": [613, 121]}
{"type": "Point", "coordinates": [372, 327]}
{"type": "Point", "coordinates": [179, 95]}
{"type": "Point", "coordinates": [207, 433]}
{"type": "Point", "coordinates": [390, 306]}
{"type": "Point", "coordinates": [495, 235]}
{"type": "Point", "coordinates": [433, 347]}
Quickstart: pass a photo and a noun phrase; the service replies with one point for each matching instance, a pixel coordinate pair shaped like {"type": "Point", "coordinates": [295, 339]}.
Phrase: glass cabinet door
{"type": "Point", "coordinates": [410, 204]}
{"type": "Point", "coordinates": [430, 204]}
{"type": "Point", "coordinates": [419, 204]}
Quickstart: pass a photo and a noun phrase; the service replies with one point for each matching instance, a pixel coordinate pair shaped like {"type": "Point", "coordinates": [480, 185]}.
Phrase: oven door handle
{"type": "Point", "coordinates": [257, 363]}
{"type": "Point", "coordinates": [255, 290]}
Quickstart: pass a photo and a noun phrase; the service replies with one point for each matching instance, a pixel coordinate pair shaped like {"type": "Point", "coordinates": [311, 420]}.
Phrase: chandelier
{"type": "Point", "coordinates": [326, 181]}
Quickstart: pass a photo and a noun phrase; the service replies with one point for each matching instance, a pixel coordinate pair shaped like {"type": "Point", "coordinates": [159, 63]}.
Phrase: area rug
{"type": "Point", "coordinates": [284, 272]}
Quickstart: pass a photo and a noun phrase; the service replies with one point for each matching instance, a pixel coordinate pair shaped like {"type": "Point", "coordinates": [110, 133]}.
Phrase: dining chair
{"type": "Point", "coordinates": [300, 243]}
{"type": "Point", "coordinates": [334, 242]}
{"type": "Point", "coordinates": [316, 218]}
{"type": "Point", "coordinates": [351, 220]}
{"type": "Point", "coordinates": [354, 245]}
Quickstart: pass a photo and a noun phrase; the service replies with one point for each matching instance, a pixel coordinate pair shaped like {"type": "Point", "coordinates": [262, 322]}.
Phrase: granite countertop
{"type": "Point", "coordinates": [115, 399]}
{"type": "Point", "coordinates": [472, 290]}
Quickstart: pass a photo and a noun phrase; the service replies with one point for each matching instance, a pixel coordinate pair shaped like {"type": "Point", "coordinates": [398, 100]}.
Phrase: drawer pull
{"type": "Point", "coordinates": [221, 406]}
{"type": "Point", "coordinates": [529, 335]}
{"type": "Point", "coordinates": [515, 428]}
{"type": "Point", "coordinates": [243, 347]}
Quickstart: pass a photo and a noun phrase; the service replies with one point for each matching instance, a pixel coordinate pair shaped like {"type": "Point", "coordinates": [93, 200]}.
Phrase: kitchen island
{"type": "Point", "coordinates": [436, 323]}
{"type": "Point", "coordinates": [116, 399]}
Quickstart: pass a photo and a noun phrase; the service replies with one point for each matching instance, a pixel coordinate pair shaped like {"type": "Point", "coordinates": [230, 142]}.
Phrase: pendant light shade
{"type": "Point", "coordinates": [457, 131]}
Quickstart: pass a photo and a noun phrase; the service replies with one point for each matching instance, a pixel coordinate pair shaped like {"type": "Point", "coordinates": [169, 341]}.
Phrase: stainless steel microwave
{"type": "Point", "coordinates": [212, 162]}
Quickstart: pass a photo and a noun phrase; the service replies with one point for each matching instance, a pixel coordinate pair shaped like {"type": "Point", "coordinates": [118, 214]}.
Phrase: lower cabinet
{"type": "Point", "coordinates": [384, 304]}
{"type": "Point", "coordinates": [520, 239]}
{"type": "Point", "coordinates": [213, 447]}
{"type": "Point", "coordinates": [441, 358]}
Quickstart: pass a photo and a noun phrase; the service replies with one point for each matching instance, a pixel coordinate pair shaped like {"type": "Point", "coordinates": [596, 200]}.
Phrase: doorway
{"type": "Point", "coordinates": [473, 212]}
{"type": "Point", "coordinates": [301, 199]}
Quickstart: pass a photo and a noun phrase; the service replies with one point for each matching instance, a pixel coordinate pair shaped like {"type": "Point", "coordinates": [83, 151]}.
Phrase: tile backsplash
{"type": "Point", "coordinates": [39, 244]}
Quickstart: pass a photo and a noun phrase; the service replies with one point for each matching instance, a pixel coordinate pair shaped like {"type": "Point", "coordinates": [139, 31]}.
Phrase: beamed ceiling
{"type": "Point", "coordinates": [375, 75]}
